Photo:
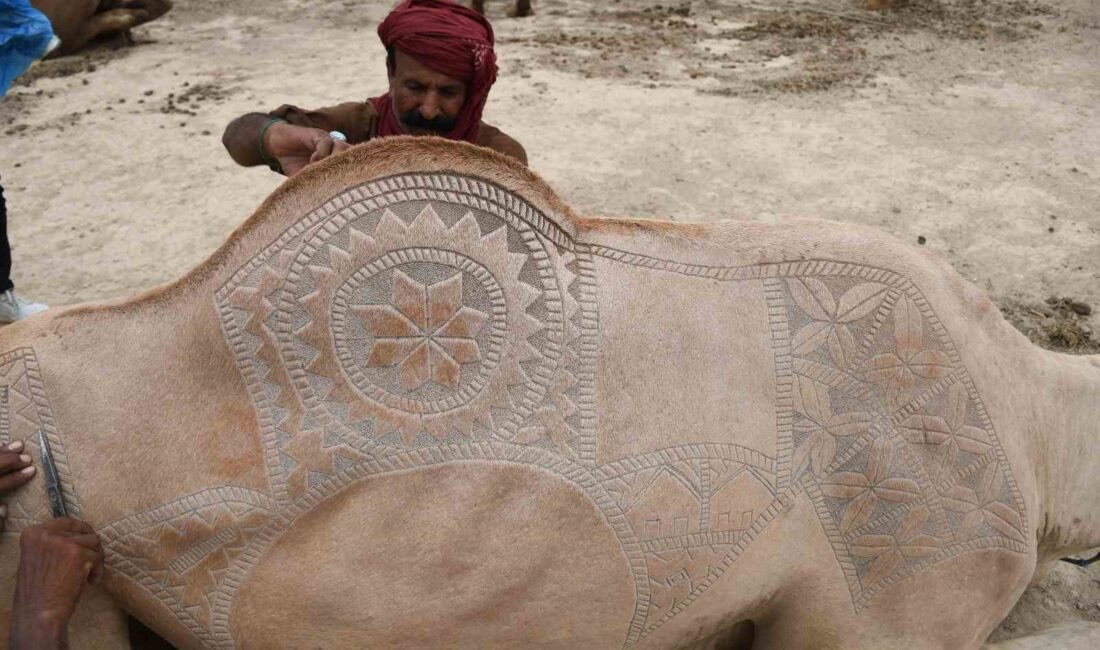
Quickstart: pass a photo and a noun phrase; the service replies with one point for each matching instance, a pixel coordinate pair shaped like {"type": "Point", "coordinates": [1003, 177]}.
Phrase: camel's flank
{"type": "Point", "coordinates": [413, 387]}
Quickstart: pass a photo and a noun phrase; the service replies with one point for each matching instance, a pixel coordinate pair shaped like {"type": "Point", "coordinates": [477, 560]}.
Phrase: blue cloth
{"type": "Point", "coordinates": [25, 33]}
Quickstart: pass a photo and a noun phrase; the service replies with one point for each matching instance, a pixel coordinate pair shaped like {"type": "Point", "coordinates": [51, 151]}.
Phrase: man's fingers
{"type": "Point", "coordinates": [11, 461]}
{"type": "Point", "coordinates": [93, 558]}
{"type": "Point", "coordinates": [291, 168]}
{"type": "Point", "coordinates": [12, 480]}
{"type": "Point", "coordinates": [88, 541]}
{"type": "Point", "coordinates": [13, 446]}
{"type": "Point", "coordinates": [322, 148]}
{"type": "Point", "coordinates": [68, 525]}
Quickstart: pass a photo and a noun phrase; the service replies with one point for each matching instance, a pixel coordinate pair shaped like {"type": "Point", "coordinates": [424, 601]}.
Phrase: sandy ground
{"type": "Point", "coordinates": [969, 126]}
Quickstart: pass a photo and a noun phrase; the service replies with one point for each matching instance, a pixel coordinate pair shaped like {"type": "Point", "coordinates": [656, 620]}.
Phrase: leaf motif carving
{"type": "Point", "coordinates": [871, 545]}
{"type": "Point", "coordinates": [858, 512]}
{"type": "Point", "coordinates": [908, 328]}
{"type": "Point", "coordinates": [930, 364]}
{"type": "Point", "coordinates": [1004, 520]}
{"type": "Point", "coordinates": [811, 398]}
{"type": "Point", "coordinates": [813, 297]}
{"type": "Point", "coordinates": [810, 337]}
{"type": "Point", "coordinates": [885, 565]}
{"type": "Point", "coordinates": [972, 440]}
{"type": "Point", "coordinates": [897, 490]}
{"type": "Point", "coordinates": [849, 424]}
{"type": "Point", "coordinates": [959, 498]}
{"type": "Point", "coordinates": [989, 486]}
{"type": "Point", "coordinates": [860, 301]}
{"type": "Point", "coordinates": [913, 522]}
{"type": "Point", "coordinates": [845, 485]}
{"type": "Point", "coordinates": [842, 346]}
{"type": "Point", "coordinates": [957, 405]}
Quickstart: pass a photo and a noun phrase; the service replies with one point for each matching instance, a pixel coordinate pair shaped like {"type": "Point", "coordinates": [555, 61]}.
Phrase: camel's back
{"type": "Point", "coordinates": [420, 389]}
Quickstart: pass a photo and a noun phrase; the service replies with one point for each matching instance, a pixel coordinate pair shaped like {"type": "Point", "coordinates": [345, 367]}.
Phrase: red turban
{"type": "Point", "coordinates": [450, 39]}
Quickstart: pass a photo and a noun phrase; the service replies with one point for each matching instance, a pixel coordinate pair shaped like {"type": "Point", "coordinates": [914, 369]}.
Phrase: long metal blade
{"type": "Point", "coordinates": [53, 482]}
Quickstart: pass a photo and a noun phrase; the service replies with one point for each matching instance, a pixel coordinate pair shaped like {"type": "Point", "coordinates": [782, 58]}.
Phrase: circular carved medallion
{"type": "Point", "coordinates": [417, 315]}
{"type": "Point", "coordinates": [420, 329]}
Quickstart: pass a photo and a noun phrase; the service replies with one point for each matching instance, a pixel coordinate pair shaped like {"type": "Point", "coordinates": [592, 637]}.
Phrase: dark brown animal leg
{"type": "Point", "coordinates": [115, 20]}
{"type": "Point", "coordinates": [521, 9]}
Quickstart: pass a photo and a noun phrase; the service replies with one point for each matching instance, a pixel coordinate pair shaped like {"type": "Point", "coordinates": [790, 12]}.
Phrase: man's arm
{"type": "Point", "coordinates": [242, 139]}
{"type": "Point", "coordinates": [511, 147]}
{"type": "Point", "coordinates": [300, 137]}
{"type": "Point", "coordinates": [501, 142]}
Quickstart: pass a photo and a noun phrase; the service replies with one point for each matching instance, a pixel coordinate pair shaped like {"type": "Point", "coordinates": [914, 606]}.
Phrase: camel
{"type": "Point", "coordinates": [416, 402]}
{"type": "Point", "coordinates": [78, 22]}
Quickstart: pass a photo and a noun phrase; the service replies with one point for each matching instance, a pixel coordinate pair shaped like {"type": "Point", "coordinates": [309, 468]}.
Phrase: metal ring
{"type": "Point", "coordinates": [336, 135]}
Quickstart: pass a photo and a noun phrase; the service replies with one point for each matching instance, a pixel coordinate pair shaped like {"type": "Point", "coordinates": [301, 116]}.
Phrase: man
{"type": "Point", "coordinates": [441, 66]}
{"type": "Point", "coordinates": [12, 307]}
{"type": "Point", "coordinates": [25, 37]}
{"type": "Point", "coordinates": [56, 560]}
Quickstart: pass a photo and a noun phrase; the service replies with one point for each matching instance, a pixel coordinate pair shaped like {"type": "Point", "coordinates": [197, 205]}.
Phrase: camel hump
{"type": "Point", "coordinates": [432, 167]}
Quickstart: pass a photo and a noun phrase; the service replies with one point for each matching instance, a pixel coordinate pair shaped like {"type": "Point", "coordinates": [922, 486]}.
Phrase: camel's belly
{"type": "Point", "coordinates": [465, 555]}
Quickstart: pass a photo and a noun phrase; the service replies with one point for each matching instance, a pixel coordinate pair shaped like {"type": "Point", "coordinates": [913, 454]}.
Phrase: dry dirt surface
{"type": "Point", "coordinates": [967, 126]}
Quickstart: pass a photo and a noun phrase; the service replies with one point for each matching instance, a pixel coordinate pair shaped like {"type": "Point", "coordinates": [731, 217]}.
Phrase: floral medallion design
{"type": "Point", "coordinates": [420, 324]}
{"type": "Point", "coordinates": [420, 331]}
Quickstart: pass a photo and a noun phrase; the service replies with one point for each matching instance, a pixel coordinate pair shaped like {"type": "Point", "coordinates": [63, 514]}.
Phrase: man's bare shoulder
{"type": "Point", "coordinates": [499, 141]}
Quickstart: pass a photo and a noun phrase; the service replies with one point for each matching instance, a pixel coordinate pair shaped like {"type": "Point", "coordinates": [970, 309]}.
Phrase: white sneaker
{"type": "Point", "coordinates": [13, 308]}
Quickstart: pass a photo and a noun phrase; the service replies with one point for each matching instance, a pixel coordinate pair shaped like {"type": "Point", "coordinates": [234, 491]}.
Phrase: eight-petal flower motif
{"type": "Point", "coordinates": [891, 551]}
{"type": "Point", "coordinates": [426, 332]}
{"type": "Point", "coordinates": [864, 491]}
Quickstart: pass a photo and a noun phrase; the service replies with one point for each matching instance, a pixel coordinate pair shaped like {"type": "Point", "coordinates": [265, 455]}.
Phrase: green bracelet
{"type": "Point", "coordinates": [272, 163]}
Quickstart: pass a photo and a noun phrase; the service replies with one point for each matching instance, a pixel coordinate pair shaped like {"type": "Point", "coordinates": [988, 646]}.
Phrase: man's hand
{"type": "Point", "coordinates": [57, 559]}
{"type": "Point", "coordinates": [15, 470]}
{"type": "Point", "coordinates": [297, 146]}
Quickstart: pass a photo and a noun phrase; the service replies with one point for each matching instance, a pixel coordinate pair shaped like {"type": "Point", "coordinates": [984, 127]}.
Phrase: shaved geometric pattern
{"type": "Point", "coordinates": [181, 552]}
{"type": "Point", "coordinates": [433, 318]}
{"type": "Point", "coordinates": [24, 411]}
{"type": "Point", "coordinates": [889, 436]}
{"type": "Point", "coordinates": [426, 311]}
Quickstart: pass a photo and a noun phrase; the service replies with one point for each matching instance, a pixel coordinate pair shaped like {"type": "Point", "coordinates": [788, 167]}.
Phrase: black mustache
{"type": "Point", "coordinates": [439, 124]}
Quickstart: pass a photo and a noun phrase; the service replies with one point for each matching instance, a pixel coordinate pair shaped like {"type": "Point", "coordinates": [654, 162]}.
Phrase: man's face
{"type": "Point", "coordinates": [427, 102]}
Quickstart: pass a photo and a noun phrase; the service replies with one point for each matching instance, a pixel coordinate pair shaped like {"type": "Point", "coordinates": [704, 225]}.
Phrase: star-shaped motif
{"type": "Point", "coordinates": [427, 333]}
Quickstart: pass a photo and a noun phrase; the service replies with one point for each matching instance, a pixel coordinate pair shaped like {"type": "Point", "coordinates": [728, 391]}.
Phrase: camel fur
{"type": "Point", "coordinates": [415, 401]}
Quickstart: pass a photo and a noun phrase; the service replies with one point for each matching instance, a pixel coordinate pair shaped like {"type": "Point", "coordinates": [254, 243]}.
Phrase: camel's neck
{"type": "Point", "coordinates": [1067, 464]}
